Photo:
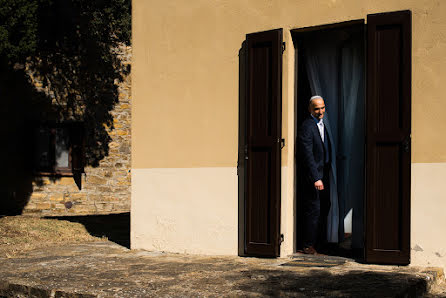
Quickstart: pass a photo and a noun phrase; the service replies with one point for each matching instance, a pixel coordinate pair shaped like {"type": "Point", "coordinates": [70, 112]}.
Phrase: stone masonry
{"type": "Point", "coordinates": [106, 188]}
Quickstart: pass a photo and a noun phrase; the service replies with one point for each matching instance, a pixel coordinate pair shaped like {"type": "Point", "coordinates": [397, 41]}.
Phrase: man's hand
{"type": "Point", "coordinates": [319, 185]}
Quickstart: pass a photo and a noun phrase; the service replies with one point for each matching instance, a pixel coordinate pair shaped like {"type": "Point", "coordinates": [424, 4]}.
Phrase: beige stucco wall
{"type": "Point", "coordinates": [185, 93]}
{"type": "Point", "coordinates": [186, 69]}
{"type": "Point", "coordinates": [173, 205]}
{"type": "Point", "coordinates": [428, 220]}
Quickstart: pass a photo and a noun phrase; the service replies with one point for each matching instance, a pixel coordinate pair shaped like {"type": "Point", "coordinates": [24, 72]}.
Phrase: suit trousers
{"type": "Point", "coordinates": [316, 205]}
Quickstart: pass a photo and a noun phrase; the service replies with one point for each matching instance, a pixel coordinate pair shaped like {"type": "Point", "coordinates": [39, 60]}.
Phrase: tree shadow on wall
{"type": "Point", "coordinates": [69, 80]}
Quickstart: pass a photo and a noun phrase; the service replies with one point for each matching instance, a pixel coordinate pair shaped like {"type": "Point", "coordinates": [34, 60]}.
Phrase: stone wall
{"type": "Point", "coordinates": [106, 188]}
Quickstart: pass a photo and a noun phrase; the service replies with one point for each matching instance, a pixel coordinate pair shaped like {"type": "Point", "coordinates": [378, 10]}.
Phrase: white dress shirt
{"type": "Point", "coordinates": [320, 126]}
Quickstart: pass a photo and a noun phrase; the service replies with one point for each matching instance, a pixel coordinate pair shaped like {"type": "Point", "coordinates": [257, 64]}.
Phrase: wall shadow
{"type": "Point", "coordinates": [15, 152]}
{"type": "Point", "coordinates": [116, 227]}
{"type": "Point", "coordinates": [71, 77]}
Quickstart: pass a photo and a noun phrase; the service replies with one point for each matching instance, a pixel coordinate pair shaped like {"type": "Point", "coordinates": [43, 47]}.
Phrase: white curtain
{"type": "Point", "coordinates": [334, 62]}
{"type": "Point", "coordinates": [351, 135]}
{"type": "Point", "coordinates": [322, 68]}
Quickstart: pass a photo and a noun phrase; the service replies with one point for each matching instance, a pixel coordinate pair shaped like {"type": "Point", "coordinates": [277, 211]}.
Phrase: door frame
{"type": "Point", "coordinates": [404, 258]}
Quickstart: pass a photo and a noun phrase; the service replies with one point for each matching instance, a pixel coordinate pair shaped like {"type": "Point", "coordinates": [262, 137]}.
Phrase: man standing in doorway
{"type": "Point", "coordinates": [314, 153]}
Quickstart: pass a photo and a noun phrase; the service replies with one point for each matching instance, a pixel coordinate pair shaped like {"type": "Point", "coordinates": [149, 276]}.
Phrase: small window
{"type": "Point", "coordinates": [57, 149]}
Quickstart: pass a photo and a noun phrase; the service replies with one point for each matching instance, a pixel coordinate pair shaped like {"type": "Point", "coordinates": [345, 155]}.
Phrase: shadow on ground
{"type": "Point", "coordinates": [116, 227]}
{"type": "Point", "coordinates": [323, 283]}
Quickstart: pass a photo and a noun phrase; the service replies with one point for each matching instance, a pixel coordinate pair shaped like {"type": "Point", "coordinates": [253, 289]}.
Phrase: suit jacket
{"type": "Point", "coordinates": [313, 153]}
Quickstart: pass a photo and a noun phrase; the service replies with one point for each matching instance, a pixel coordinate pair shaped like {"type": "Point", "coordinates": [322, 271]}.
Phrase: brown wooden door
{"type": "Point", "coordinates": [262, 147]}
{"type": "Point", "coordinates": [388, 138]}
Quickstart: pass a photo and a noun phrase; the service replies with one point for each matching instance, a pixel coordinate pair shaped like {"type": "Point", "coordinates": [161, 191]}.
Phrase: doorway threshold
{"type": "Point", "coordinates": [305, 260]}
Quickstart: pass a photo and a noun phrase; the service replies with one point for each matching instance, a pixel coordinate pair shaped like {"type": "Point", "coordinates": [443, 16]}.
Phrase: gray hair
{"type": "Point", "coordinates": [316, 97]}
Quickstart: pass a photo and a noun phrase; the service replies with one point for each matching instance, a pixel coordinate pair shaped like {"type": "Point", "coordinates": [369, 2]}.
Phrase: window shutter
{"type": "Point", "coordinates": [388, 138]}
{"type": "Point", "coordinates": [263, 157]}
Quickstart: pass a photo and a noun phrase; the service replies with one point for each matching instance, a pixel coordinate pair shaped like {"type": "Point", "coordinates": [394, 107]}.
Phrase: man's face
{"type": "Point", "coordinates": [317, 108]}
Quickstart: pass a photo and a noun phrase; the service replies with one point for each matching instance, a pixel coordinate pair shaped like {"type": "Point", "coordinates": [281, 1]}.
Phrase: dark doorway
{"type": "Point", "coordinates": [381, 219]}
{"type": "Point", "coordinates": [331, 63]}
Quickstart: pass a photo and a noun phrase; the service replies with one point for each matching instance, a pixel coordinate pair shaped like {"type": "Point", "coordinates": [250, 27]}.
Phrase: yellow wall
{"type": "Point", "coordinates": [185, 73]}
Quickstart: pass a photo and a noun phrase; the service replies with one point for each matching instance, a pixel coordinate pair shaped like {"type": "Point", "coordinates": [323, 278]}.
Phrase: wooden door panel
{"type": "Point", "coordinates": [388, 66]}
{"type": "Point", "coordinates": [388, 138]}
{"type": "Point", "coordinates": [260, 105]}
{"type": "Point", "coordinates": [387, 202]}
{"type": "Point", "coordinates": [260, 197]}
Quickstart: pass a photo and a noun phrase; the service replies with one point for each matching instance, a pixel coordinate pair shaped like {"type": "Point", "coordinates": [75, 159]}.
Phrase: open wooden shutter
{"type": "Point", "coordinates": [388, 138]}
{"type": "Point", "coordinates": [263, 129]}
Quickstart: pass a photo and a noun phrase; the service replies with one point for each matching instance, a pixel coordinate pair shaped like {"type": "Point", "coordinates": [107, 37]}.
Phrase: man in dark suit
{"type": "Point", "coordinates": [314, 154]}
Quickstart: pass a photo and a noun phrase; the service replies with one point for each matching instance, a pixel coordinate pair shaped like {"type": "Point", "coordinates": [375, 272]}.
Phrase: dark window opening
{"type": "Point", "coordinates": [58, 149]}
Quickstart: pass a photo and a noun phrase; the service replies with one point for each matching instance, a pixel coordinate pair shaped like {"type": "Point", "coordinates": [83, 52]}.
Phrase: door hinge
{"type": "Point", "coordinates": [283, 46]}
{"type": "Point", "coordinates": [238, 166]}
{"type": "Point", "coordinates": [282, 143]}
{"type": "Point", "coordinates": [406, 144]}
{"type": "Point", "coordinates": [282, 238]}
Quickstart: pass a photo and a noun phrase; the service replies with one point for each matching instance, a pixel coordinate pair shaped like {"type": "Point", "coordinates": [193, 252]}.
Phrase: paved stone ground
{"type": "Point", "coordinates": [106, 269]}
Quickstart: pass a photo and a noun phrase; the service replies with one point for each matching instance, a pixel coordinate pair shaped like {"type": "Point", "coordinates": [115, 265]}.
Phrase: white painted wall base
{"type": "Point", "coordinates": [287, 216]}
{"type": "Point", "coordinates": [195, 210]}
{"type": "Point", "coordinates": [428, 216]}
{"type": "Point", "coordinates": [185, 210]}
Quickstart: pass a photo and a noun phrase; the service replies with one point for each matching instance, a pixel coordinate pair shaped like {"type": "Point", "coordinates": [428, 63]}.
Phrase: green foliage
{"type": "Point", "coordinates": [18, 28]}
{"type": "Point", "coordinates": [27, 26]}
{"type": "Point", "coordinates": [109, 21]}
